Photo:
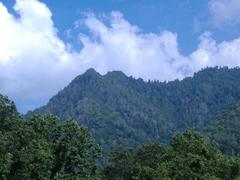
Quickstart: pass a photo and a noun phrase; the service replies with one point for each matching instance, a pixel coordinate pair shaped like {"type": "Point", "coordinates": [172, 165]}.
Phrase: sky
{"type": "Point", "coordinates": [44, 44]}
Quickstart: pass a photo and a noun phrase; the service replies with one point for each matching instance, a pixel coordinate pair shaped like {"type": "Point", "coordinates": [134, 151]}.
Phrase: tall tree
{"type": "Point", "coordinates": [41, 147]}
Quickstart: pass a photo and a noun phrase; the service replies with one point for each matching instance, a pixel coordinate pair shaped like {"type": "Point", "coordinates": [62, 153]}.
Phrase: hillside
{"type": "Point", "coordinates": [225, 130]}
{"type": "Point", "coordinates": [122, 110]}
{"type": "Point", "coordinates": [43, 147]}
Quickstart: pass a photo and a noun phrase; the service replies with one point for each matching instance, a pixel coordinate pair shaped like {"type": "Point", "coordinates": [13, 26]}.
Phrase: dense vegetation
{"type": "Point", "coordinates": [189, 156]}
{"type": "Point", "coordinates": [41, 147]}
{"type": "Point", "coordinates": [225, 130]}
{"type": "Point", "coordinates": [122, 110]}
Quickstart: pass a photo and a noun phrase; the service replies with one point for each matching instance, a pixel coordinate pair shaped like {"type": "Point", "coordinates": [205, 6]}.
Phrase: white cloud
{"type": "Point", "coordinates": [32, 57]}
{"type": "Point", "coordinates": [225, 12]}
{"type": "Point", "coordinates": [35, 63]}
{"type": "Point", "coordinates": [209, 53]}
{"type": "Point", "coordinates": [122, 46]}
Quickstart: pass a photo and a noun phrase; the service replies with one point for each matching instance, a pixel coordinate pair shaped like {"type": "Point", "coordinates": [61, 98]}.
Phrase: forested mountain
{"type": "Point", "coordinates": [122, 110]}
{"type": "Point", "coordinates": [225, 130]}
{"type": "Point", "coordinates": [42, 147]}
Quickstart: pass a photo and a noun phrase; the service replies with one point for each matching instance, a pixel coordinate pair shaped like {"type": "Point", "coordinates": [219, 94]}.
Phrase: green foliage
{"type": "Point", "coordinates": [121, 166]}
{"type": "Point", "coordinates": [8, 114]}
{"type": "Point", "coordinates": [41, 147]}
{"type": "Point", "coordinates": [190, 156]}
{"type": "Point", "coordinates": [225, 130]}
{"type": "Point", "coordinates": [122, 110]}
{"type": "Point", "coordinates": [7, 108]}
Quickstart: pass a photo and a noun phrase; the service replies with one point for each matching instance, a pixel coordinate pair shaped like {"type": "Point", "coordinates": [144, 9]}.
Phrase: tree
{"type": "Point", "coordinates": [121, 165]}
{"type": "Point", "coordinates": [189, 156]}
{"type": "Point", "coordinates": [8, 114]}
{"type": "Point", "coordinates": [41, 147]}
{"type": "Point", "coordinates": [75, 152]}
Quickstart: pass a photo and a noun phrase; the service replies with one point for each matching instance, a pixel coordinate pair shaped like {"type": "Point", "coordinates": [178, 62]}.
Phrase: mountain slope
{"type": "Point", "coordinates": [122, 110]}
{"type": "Point", "coordinates": [225, 130]}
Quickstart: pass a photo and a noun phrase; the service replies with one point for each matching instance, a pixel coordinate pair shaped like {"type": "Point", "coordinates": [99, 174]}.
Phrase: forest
{"type": "Point", "coordinates": [43, 147]}
{"type": "Point", "coordinates": [119, 89]}
{"type": "Point", "coordinates": [117, 127]}
{"type": "Point", "coordinates": [118, 109]}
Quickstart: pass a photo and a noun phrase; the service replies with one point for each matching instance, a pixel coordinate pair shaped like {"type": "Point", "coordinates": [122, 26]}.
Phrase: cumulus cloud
{"type": "Point", "coordinates": [32, 57]}
{"type": "Point", "coordinates": [225, 12]}
{"type": "Point", "coordinates": [35, 63]}
{"type": "Point", "coordinates": [209, 53]}
{"type": "Point", "coordinates": [121, 46]}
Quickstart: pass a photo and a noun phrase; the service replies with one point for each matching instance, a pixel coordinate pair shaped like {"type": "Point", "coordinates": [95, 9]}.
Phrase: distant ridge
{"type": "Point", "coordinates": [122, 110]}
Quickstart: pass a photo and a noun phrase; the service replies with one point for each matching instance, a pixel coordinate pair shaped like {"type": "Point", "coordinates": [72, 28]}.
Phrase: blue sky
{"type": "Point", "coordinates": [46, 43]}
{"type": "Point", "coordinates": [188, 18]}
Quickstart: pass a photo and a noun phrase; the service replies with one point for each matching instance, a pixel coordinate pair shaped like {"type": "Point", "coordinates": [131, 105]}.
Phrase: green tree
{"type": "Point", "coordinates": [121, 165]}
{"type": "Point", "coordinates": [75, 152]}
{"type": "Point", "coordinates": [41, 147]}
{"type": "Point", "coordinates": [189, 156]}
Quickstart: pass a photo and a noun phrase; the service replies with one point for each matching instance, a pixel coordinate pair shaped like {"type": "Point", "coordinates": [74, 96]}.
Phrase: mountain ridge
{"type": "Point", "coordinates": [122, 110]}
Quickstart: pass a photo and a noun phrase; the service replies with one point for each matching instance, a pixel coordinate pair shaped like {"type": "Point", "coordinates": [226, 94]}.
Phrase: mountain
{"type": "Point", "coordinates": [225, 130]}
{"type": "Point", "coordinates": [119, 109]}
{"type": "Point", "coordinates": [42, 147]}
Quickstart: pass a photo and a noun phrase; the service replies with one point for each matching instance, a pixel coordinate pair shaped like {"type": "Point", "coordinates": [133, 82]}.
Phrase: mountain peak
{"type": "Point", "coordinates": [116, 76]}
{"type": "Point", "coordinates": [91, 71]}
{"type": "Point", "coordinates": [121, 110]}
{"type": "Point", "coordinates": [116, 73]}
{"type": "Point", "coordinates": [90, 74]}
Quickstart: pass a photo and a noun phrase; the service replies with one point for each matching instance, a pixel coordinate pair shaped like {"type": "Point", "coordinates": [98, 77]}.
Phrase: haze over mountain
{"type": "Point", "coordinates": [119, 109]}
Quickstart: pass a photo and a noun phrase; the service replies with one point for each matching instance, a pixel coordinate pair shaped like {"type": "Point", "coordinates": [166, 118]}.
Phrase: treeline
{"type": "Point", "coordinates": [42, 147]}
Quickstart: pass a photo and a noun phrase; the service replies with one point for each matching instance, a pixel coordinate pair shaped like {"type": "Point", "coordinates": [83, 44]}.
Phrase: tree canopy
{"type": "Point", "coordinates": [41, 147]}
{"type": "Point", "coordinates": [189, 156]}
